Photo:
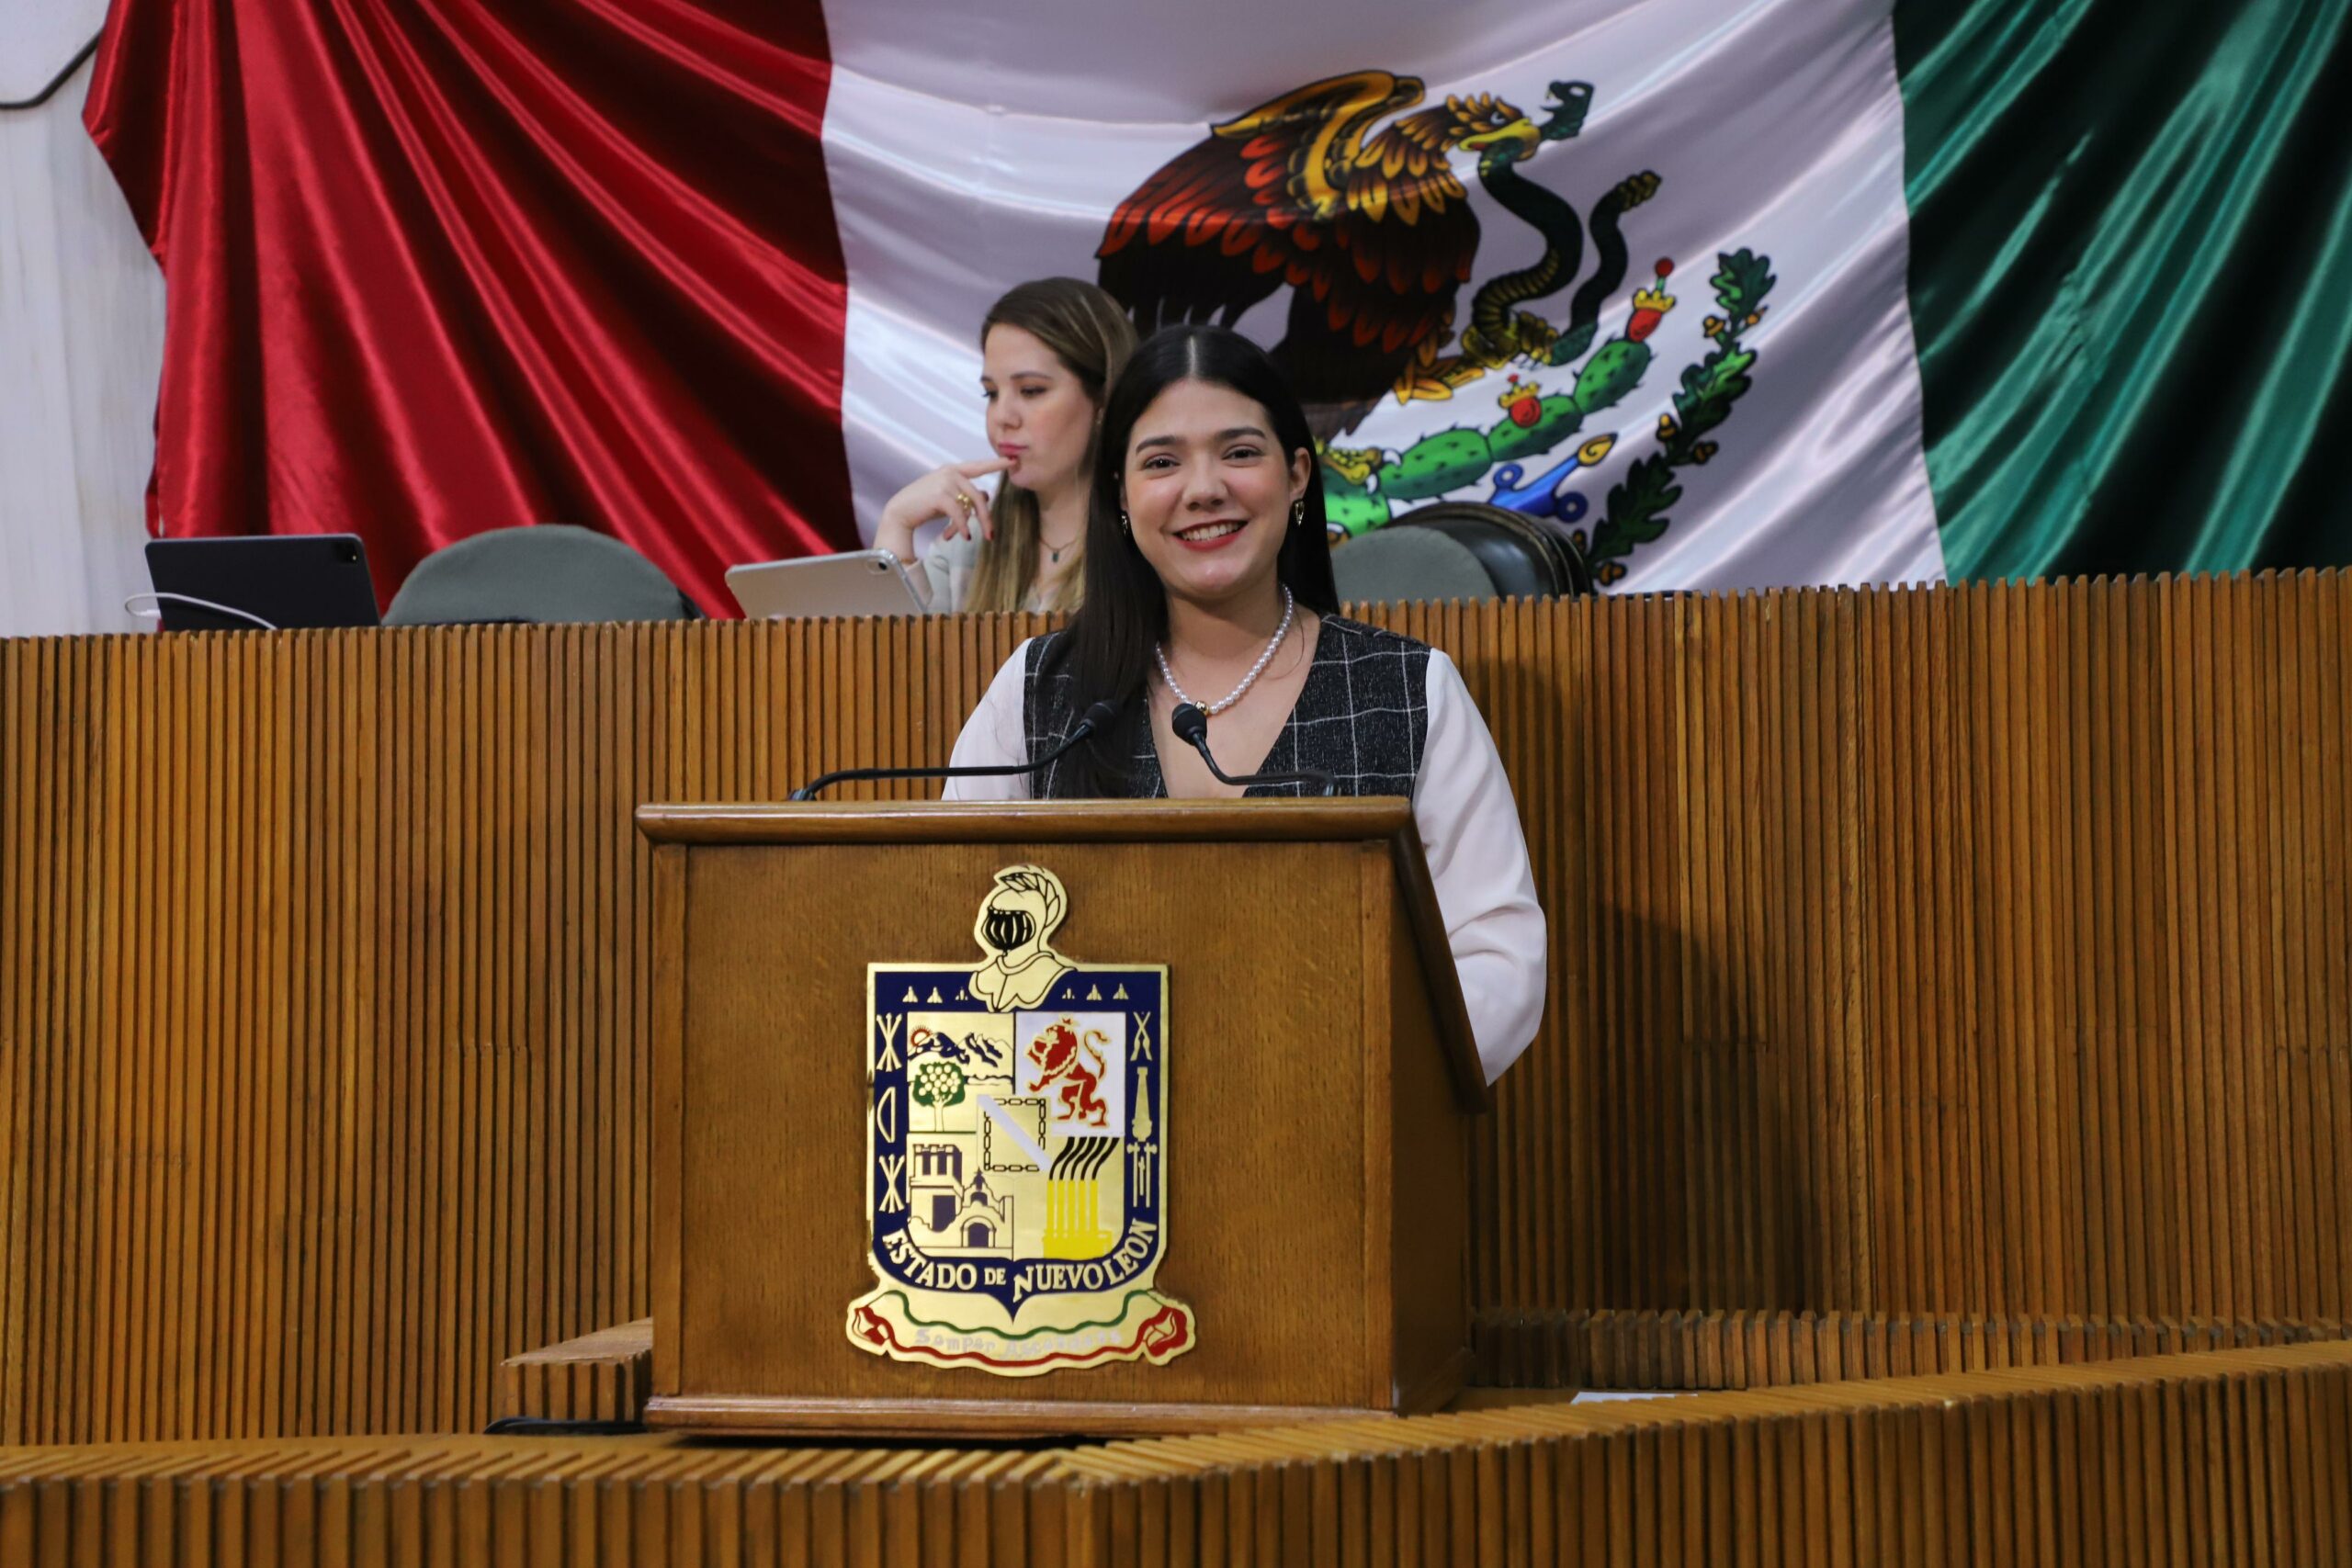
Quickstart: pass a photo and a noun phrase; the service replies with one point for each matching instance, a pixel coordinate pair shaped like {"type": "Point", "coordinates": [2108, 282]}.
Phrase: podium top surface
{"type": "Point", "coordinates": [1341, 817]}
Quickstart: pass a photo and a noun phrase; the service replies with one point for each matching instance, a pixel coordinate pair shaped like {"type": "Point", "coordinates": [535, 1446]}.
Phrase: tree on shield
{"type": "Point", "coordinates": [938, 1084]}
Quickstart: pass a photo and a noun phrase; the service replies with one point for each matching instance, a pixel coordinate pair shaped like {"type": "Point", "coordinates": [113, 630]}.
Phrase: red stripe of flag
{"type": "Point", "coordinates": [433, 270]}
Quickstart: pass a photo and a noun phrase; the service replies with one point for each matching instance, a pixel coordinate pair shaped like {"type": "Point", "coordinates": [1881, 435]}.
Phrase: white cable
{"type": "Point", "coordinates": [159, 596]}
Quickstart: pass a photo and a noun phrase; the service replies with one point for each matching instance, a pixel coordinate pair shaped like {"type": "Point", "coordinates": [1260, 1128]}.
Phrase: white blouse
{"type": "Point", "coordinates": [1470, 832]}
{"type": "Point", "coordinates": [943, 579]}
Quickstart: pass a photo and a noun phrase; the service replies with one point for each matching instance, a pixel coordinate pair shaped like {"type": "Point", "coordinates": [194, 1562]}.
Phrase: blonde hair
{"type": "Point", "coordinates": [1090, 336]}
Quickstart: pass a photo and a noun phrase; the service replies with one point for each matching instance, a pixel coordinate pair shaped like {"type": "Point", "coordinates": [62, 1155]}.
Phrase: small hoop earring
{"type": "Point", "coordinates": [1297, 514]}
{"type": "Point", "coordinates": [1127, 527]}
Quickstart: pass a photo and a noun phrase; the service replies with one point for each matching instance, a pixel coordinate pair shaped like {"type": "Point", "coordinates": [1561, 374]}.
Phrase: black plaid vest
{"type": "Point", "coordinates": [1363, 717]}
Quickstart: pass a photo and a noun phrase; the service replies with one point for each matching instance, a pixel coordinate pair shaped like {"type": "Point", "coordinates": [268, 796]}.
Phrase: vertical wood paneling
{"type": "Point", "coordinates": [1972, 952]}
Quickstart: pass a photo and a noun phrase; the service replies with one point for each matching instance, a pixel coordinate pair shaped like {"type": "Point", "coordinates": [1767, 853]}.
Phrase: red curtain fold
{"type": "Point", "coordinates": [433, 268]}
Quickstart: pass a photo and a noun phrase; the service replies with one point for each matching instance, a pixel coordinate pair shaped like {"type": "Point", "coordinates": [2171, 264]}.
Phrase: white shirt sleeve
{"type": "Point", "coordinates": [944, 580]}
{"type": "Point", "coordinates": [995, 736]}
{"type": "Point", "coordinates": [1477, 855]}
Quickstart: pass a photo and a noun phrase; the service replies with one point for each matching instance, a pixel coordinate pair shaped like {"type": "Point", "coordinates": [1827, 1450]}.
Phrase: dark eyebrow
{"type": "Point", "coordinates": [1238, 430]}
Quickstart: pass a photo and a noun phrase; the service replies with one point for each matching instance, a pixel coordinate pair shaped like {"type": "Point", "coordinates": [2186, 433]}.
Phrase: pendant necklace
{"type": "Point", "coordinates": [1211, 710]}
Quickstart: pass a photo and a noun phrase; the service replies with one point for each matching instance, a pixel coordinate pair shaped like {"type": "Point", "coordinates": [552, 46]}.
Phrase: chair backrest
{"type": "Point", "coordinates": [1528, 558]}
{"type": "Point", "coordinates": [546, 572]}
{"type": "Point", "coordinates": [1393, 563]}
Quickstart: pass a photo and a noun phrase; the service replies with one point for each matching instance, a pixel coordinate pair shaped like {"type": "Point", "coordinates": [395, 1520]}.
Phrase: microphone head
{"type": "Point", "coordinates": [1191, 725]}
{"type": "Point", "coordinates": [1100, 716]}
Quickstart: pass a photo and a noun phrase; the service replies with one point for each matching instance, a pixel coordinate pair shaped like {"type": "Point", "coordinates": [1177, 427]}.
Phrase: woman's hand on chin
{"type": "Point", "coordinates": [951, 490]}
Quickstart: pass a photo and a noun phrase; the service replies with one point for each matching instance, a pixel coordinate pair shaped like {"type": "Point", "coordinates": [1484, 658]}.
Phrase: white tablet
{"type": "Point", "coordinates": [855, 582]}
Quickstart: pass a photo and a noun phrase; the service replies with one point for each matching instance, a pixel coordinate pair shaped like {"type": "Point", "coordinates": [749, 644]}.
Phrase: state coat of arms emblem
{"type": "Point", "coordinates": [1016, 1138]}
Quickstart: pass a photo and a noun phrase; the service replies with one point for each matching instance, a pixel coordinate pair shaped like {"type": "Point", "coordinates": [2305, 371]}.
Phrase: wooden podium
{"type": "Point", "coordinates": [1318, 1076]}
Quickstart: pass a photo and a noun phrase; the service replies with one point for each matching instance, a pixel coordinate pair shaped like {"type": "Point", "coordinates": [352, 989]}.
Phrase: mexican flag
{"type": "Point", "coordinates": [1743, 292]}
{"type": "Point", "coordinates": [1636, 267]}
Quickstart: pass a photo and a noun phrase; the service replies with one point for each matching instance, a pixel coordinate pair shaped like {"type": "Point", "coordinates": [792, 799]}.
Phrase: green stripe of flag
{"type": "Point", "coordinates": [2131, 281]}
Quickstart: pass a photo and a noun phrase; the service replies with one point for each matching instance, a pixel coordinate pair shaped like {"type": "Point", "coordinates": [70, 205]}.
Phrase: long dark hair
{"type": "Point", "coordinates": [1106, 650]}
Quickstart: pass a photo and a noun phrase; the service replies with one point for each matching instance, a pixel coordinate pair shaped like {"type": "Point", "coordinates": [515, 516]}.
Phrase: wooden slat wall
{"type": "Point", "coordinates": [1978, 952]}
{"type": "Point", "coordinates": [1975, 952]}
{"type": "Point", "coordinates": [2236, 1457]}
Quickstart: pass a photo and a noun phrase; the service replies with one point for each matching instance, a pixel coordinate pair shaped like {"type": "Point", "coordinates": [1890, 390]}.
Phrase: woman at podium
{"type": "Point", "coordinates": [1208, 591]}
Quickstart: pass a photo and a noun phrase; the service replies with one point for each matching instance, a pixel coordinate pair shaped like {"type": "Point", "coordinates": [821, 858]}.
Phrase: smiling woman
{"type": "Point", "coordinates": [1208, 587]}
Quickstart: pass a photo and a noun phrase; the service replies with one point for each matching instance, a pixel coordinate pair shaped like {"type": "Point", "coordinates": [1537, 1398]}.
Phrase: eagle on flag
{"type": "Point", "coordinates": [1371, 230]}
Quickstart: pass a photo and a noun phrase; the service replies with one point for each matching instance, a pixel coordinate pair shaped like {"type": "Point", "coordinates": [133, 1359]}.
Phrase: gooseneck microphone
{"type": "Point", "coordinates": [1191, 727]}
{"type": "Point", "coordinates": [1099, 717]}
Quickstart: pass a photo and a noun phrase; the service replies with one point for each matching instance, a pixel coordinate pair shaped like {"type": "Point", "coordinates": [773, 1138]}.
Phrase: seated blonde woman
{"type": "Point", "coordinates": [1047, 350]}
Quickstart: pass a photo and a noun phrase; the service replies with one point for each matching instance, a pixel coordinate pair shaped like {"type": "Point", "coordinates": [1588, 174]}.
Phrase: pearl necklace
{"type": "Point", "coordinates": [1232, 696]}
